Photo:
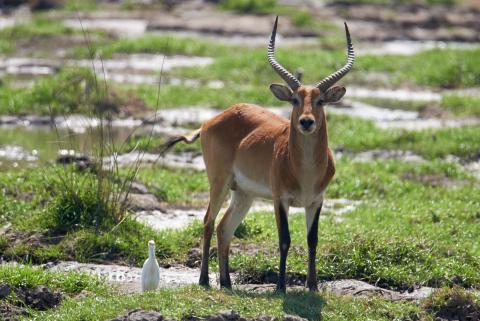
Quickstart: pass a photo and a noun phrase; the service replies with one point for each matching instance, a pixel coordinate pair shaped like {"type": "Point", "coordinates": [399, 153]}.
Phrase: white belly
{"type": "Point", "coordinates": [250, 186]}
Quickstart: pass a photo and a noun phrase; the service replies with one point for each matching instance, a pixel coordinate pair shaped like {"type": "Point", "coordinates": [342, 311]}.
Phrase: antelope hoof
{"type": "Point", "coordinates": [281, 290]}
{"type": "Point", "coordinates": [226, 284]}
{"type": "Point", "coordinates": [312, 287]}
{"type": "Point", "coordinates": [204, 281]}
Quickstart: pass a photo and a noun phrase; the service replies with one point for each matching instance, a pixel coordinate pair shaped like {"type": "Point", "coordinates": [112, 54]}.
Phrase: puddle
{"type": "Point", "coordinates": [143, 62]}
{"type": "Point", "coordinates": [171, 160]}
{"type": "Point", "coordinates": [473, 168]}
{"type": "Point", "coordinates": [394, 94]}
{"type": "Point", "coordinates": [402, 119]}
{"type": "Point", "coordinates": [180, 217]}
{"type": "Point", "coordinates": [112, 68]}
{"type": "Point", "coordinates": [27, 146]}
{"type": "Point", "coordinates": [129, 278]}
{"type": "Point", "coordinates": [28, 66]}
{"type": "Point", "coordinates": [239, 39]}
{"type": "Point", "coordinates": [16, 156]}
{"type": "Point", "coordinates": [409, 47]}
{"type": "Point", "coordinates": [185, 116]}
{"type": "Point", "coordinates": [367, 156]}
{"type": "Point", "coordinates": [125, 27]}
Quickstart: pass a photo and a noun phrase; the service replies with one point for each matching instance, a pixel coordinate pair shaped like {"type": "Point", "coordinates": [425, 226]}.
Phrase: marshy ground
{"type": "Point", "coordinates": [89, 91]}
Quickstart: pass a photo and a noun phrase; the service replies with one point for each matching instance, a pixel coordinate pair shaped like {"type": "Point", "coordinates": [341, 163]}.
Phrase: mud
{"type": "Point", "coordinates": [378, 154]}
{"type": "Point", "coordinates": [434, 180]}
{"type": "Point", "coordinates": [186, 160]}
{"type": "Point", "coordinates": [402, 119]}
{"type": "Point", "coordinates": [395, 94]}
{"type": "Point", "coordinates": [227, 315]}
{"type": "Point", "coordinates": [174, 217]}
{"type": "Point", "coordinates": [128, 28]}
{"type": "Point", "coordinates": [128, 278]}
{"type": "Point", "coordinates": [412, 22]}
{"type": "Point", "coordinates": [409, 47]}
{"type": "Point", "coordinates": [348, 287]}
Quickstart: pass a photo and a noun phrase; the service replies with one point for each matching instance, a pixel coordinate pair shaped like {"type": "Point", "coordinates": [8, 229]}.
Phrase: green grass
{"type": "Point", "coordinates": [414, 105]}
{"type": "Point", "coordinates": [174, 185]}
{"type": "Point", "coordinates": [249, 6]}
{"type": "Point", "coordinates": [356, 135]}
{"type": "Point", "coordinates": [174, 96]}
{"type": "Point", "coordinates": [200, 302]}
{"type": "Point", "coordinates": [404, 233]}
{"type": "Point", "coordinates": [359, 135]}
{"type": "Point", "coordinates": [30, 277]}
{"type": "Point", "coordinates": [82, 232]}
{"type": "Point", "coordinates": [461, 105]}
{"type": "Point", "coordinates": [168, 45]}
{"type": "Point", "coordinates": [70, 91]}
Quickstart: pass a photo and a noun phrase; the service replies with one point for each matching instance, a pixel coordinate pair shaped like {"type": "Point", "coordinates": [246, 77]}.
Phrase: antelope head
{"type": "Point", "coordinates": [308, 113]}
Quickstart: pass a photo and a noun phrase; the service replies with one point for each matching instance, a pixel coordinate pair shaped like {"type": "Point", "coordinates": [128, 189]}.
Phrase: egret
{"type": "Point", "coordinates": [150, 270]}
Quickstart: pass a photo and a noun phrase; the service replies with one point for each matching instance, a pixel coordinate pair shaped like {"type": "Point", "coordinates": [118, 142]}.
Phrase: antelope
{"type": "Point", "coordinates": [255, 153]}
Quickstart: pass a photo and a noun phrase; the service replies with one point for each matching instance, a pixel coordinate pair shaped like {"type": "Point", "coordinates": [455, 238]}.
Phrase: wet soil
{"type": "Point", "coordinates": [412, 22]}
{"type": "Point", "coordinates": [227, 315]}
{"type": "Point", "coordinates": [128, 278]}
{"type": "Point", "coordinates": [39, 298]}
{"type": "Point", "coordinates": [434, 180]}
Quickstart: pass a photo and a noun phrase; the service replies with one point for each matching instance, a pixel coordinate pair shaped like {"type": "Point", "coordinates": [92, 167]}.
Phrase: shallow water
{"type": "Point", "coordinates": [128, 28]}
{"type": "Point", "coordinates": [180, 217]}
{"type": "Point", "coordinates": [409, 47]}
{"type": "Point", "coordinates": [30, 146]}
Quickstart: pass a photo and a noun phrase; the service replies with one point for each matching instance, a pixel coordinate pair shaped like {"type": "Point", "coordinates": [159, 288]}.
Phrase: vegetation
{"type": "Point", "coordinates": [462, 105]}
{"type": "Point", "coordinates": [249, 6]}
{"type": "Point", "coordinates": [413, 223]}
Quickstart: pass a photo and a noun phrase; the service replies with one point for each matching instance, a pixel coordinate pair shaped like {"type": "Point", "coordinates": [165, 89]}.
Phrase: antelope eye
{"type": "Point", "coordinates": [320, 102]}
{"type": "Point", "coordinates": [295, 101]}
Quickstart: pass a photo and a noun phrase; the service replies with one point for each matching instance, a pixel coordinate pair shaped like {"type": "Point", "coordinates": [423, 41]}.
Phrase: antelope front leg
{"type": "Point", "coordinates": [239, 206]}
{"type": "Point", "coordinates": [281, 217]}
{"type": "Point", "coordinates": [312, 216]}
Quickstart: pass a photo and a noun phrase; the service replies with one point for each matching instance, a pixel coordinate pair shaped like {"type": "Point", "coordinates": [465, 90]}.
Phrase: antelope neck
{"type": "Point", "coordinates": [307, 152]}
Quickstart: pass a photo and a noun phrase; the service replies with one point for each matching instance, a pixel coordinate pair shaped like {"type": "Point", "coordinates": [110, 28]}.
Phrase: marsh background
{"type": "Point", "coordinates": [90, 89]}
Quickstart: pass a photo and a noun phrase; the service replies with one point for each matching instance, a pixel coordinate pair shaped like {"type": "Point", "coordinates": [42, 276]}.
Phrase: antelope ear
{"type": "Point", "coordinates": [282, 92]}
{"type": "Point", "coordinates": [334, 94]}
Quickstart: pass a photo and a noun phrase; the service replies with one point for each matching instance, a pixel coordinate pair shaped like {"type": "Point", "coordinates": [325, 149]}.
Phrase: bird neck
{"type": "Point", "coordinates": [151, 252]}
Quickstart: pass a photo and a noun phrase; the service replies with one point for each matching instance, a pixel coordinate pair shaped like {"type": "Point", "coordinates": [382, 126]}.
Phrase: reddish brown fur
{"type": "Point", "coordinates": [269, 150]}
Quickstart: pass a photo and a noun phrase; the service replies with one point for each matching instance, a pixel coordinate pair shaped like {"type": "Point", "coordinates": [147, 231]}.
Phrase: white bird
{"type": "Point", "coordinates": [150, 270]}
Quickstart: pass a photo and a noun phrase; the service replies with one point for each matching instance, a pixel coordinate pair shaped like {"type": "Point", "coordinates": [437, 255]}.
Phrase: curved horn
{"type": "Point", "coordinates": [288, 77]}
{"type": "Point", "coordinates": [333, 78]}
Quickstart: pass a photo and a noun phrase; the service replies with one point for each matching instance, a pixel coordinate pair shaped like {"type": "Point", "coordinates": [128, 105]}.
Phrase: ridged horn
{"type": "Point", "coordinates": [287, 76]}
{"type": "Point", "coordinates": [333, 78]}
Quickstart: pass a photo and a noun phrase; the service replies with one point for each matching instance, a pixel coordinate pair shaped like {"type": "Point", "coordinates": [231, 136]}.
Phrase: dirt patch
{"type": "Point", "coordinates": [270, 277]}
{"type": "Point", "coordinates": [10, 312]}
{"type": "Point", "coordinates": [123, 106]}
{"type": "Point", "coordinates": [434, 111]}
{"type": "Point", "coordinates": [358, 288]}
{"type": "Point", "coordinates": [127, 278]}
{"type": "Point", "coordinates": [412, 22]}
{"type": "Point", "coordinates": [40, 297]}
{"type": "Point", "coordinates": [228, 315]}
{"type": "Point", "coordinates": [453, 304]}
{"type": "Point", "coordinates": [435, 180]}
{"type": "Point", "coordinates": [144, 202]}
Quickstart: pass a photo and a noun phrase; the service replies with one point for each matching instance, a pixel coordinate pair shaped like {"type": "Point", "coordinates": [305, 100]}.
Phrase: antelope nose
{"type": "Point", "coordinates": [306, 123]}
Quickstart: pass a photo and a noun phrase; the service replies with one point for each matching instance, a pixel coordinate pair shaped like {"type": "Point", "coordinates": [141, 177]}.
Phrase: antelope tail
{"type": "Point", "coordinates": [172, 141]}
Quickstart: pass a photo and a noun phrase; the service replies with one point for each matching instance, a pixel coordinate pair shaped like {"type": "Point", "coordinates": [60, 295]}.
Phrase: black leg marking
{"type": "Point", "coordinates": [312, 240]}
{"type": "Point", "coordinates": [284, 243]}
